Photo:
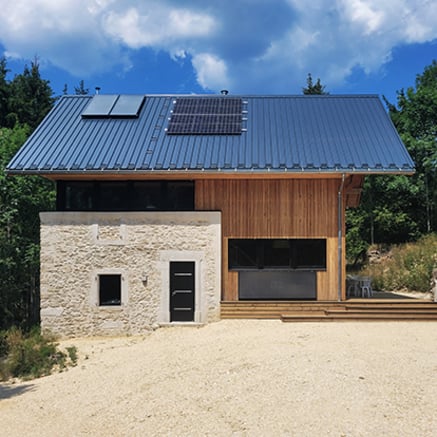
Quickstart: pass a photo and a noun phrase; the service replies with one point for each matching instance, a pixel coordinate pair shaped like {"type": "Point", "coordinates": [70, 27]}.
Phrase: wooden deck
{"type": "Point", "coordinates": [318, 311]}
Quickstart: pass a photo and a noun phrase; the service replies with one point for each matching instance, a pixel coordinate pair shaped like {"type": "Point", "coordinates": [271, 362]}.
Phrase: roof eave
{"type": "Point", "coordinates": [219, 172]}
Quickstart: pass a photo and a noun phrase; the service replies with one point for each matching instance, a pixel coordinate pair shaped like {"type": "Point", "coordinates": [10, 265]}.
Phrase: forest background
{"type": "Point", "coordinates": [393, 209]}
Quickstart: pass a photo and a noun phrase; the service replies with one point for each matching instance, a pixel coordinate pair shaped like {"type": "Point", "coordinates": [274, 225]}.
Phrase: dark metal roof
{"type": "Point", "coordinates": [296, 134]}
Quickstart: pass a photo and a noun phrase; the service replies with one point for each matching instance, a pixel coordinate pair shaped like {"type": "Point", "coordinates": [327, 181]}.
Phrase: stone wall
{"type": "Point", "coordinates": [77, 247]}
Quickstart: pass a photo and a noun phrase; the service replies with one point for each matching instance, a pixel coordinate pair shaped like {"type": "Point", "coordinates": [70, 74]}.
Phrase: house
{"type": "Point", "coordinates": [169, 205]}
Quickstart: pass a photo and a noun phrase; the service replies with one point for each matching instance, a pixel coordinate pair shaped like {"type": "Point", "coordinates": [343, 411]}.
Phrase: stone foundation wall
{"type": "Point", "coordinates": [77, 247]}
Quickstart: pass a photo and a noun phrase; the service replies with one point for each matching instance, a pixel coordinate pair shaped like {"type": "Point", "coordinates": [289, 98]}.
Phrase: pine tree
{"type": "Point", "coordinates": [312, 88]}
{"type": "Point", "coordinates": [80, 89]}
{"type": "Point", "coordinates": [31, 97]}
{"type": "Point", "coordinates": [4, 92]}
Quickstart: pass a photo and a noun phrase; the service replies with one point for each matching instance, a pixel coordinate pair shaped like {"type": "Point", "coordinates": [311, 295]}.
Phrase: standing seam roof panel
{"type": "Point", "coordinates": [286, 133]}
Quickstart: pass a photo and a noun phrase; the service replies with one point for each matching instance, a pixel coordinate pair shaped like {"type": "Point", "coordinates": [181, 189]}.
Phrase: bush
{"type": "Point", "coordinates": [409, 267]}
{"type": "Point", "coordinates": [30, 355]}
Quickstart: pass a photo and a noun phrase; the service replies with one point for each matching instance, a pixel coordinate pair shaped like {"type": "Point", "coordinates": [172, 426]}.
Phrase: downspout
{"type": "Point", "coordinates": [340, 236]}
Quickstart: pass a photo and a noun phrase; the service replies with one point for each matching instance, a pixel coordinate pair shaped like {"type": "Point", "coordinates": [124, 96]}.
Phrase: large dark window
{"type": "Point", "coordinates": [78, 196]}
{"type": "Point", "coordinates": [125, 196]}
{"type": "Point", "coordinates": [275, 254]}
{"type": "Point", "coordinates": [109, 290]}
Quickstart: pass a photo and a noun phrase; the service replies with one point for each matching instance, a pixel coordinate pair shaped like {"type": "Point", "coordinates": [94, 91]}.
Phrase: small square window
{"type": "Point", "coordinates": [109, 290]}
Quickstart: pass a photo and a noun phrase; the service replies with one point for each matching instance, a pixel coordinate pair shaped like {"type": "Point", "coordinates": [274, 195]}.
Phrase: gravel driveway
{"type": "Point", "coordinates": [242, 378]}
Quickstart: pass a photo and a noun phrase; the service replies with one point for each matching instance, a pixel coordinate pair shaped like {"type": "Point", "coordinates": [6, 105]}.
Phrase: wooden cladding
{"type": "Point", "coordinates": [276, 208]}
{"type": "Point", "coordinates": [272, 208]}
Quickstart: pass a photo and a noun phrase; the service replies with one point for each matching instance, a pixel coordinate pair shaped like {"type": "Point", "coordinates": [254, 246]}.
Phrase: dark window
{"type": "Point", "coordinates": [112, 196]}
{"type": "Point", "coordinates": [310, 253]}
{"type": "Point", "coordinates": [243, 254]}
{"type": "Point", "coordinates": [147, 196]}
{"type": "Point", "coordinates": [125, 196]}
{"type": "Point", "coordinates": [180, 196]}
{"type": "Point", "coordinates": [277, 254]}
{"type": "Point", "coordinates": [109, 289]}
{"type": "Point", "coordinates": [78, 197]}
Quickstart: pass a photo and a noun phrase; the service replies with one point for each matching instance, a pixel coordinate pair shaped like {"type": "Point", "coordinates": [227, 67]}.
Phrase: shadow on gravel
{"type": "Point", "coordinates": [8, 391]}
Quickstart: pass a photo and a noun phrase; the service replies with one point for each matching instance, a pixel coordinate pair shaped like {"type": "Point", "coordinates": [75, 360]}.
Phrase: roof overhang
{"type": "Point", "coordinates": [210, 174]}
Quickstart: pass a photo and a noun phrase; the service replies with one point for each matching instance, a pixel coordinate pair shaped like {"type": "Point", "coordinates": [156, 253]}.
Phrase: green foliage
{"type": "Point", "coordinates": [356, 244]}
{"type": "Point", "coordinates": [31, 355]}
{"type": "Point", "coordinates": [80, 89]}
{"type": "Point", "coordinates": [72, 354]}
{"type": "Point", "coordinates": [415, 118]}
{"type": "Point", "coordinates": [409, 266]}
{"type": "Point", "coordinates": [30, 97]}
{"type": "Point", "coordinates": [24, 102]}
{"type": "Point", "coordinates": [398, 209]}
{"type": "Point", "coordinates": [314, 88]}
{"type": "Point", "coordinates": [21, 199]}
{"type": "Point", "coordinates": [4, 92]}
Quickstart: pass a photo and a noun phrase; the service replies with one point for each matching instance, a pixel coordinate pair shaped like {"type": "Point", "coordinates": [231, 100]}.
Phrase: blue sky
{"type": "Point", "coordinates": [203, 46]}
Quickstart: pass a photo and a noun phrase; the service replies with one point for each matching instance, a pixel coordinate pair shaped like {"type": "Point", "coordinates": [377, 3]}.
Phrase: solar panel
{"type": "Point", "coordinates": [100, 105]}
{"type": "Point", "coordinates": [113, 105]}
{"type": "Point", "coordinates": [206, 116]}
{"type": "Point", "coordinates": [127, 105]}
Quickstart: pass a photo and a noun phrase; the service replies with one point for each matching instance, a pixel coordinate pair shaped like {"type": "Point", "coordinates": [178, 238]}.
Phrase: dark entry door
{"type": "Point", "coordinates": [182, 291]}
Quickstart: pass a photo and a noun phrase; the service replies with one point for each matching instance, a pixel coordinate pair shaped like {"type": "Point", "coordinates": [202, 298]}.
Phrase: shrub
{"type": "Point", "coordinates": [30, 355]}
{"type": "Point", "coordinates": [72, 353]}
{"type": "Point", "coordinates": [409, 267]}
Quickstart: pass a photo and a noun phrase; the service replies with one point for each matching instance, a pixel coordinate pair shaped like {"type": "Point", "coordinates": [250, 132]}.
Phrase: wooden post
{"type": "Point", "coordinates": [434, 284]}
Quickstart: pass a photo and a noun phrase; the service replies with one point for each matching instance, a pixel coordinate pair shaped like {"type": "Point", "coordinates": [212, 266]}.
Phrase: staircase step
{"type": "Point", "coordinates": [329, 311]}
{"type": "Point", "coordinates": [357, 317]}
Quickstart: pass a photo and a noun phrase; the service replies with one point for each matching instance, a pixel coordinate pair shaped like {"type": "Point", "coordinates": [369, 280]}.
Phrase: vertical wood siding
{"type": "Point", "coordinates": [275, 208]}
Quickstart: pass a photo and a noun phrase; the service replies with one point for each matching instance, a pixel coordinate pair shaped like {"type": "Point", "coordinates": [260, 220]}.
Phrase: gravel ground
{"type": "Point", "coordinates": [242, 378]}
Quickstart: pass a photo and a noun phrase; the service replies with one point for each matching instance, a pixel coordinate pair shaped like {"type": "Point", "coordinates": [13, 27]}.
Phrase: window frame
{"type": "Point", "coordinates": [95, 288]}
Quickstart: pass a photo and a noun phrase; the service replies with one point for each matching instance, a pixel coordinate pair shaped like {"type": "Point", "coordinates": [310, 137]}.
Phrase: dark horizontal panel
{"type": "Point", "coordinates": [206, 116]}
{"type": "Point", "coordinates": [213, 105]}
{"type": "Point", "coordinates": [100, 105]}
{"type": "Point", "coordinates": [204, 124]}
{"type": "Point", "coordinates": [127, 105]}
{"type": "Point", "coordinates": [108, 105]}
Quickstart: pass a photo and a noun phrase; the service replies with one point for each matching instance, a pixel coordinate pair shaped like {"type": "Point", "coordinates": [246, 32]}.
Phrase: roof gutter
{"type": "Point", "coordinates": [340, 236]}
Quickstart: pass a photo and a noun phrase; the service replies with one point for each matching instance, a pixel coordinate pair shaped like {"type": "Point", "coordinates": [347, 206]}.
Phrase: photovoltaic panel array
{"type": "Point", "coordinates": [206, 116]}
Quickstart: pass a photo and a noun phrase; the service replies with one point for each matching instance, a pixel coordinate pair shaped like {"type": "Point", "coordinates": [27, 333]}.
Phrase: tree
{"type": "Point", "coordinates": [24, 102]}
{"type": "Point", "coordinates": [312, 88]}
{"type": "Point", "coordinates": [415, 118]}
{"type": "Point", "coordinates": [31, 97]}
{"type": "Point", "coordinates": [4, 92]}
{"type": "Point", "coordinates": [396, 209]}
{"type": "Point", "coordinates": [81, 90]}
{"type": "Point", "coordinates": [21, 199]}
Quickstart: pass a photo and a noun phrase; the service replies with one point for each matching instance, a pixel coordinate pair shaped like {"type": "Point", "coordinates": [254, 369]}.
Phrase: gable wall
{"type": "Point", "coordinates": [275, 208]}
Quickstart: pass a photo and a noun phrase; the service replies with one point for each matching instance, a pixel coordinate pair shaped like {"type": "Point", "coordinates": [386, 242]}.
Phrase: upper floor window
{"type": "Point", "coordinates": [125, 195]}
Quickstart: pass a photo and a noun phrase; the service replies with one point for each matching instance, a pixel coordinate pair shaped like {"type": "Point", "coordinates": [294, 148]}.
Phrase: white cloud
{"type": "Point", "coordinates": [211, 71]}
{"type": "Point", "coordinates": [65, 33]}
{"type": "Point", "coordinates": [157, 25]}
{"type": "Point", "coordinates": [363, 14]}
{"type": "Point", "coordinates": [262, 46]}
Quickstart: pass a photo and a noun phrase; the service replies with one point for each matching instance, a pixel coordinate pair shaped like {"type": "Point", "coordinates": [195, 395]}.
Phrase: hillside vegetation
{"type": "Point", "coordinates": [405, 267]}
